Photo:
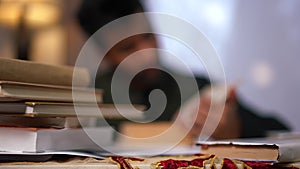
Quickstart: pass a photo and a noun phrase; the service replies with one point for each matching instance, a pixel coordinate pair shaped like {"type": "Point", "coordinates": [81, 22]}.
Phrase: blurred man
{"type": "Point", "coordinates": [237, 120]}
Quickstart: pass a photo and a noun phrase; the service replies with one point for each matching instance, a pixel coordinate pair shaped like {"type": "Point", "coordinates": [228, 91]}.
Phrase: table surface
{"type": "Point", "coordinates": [88, 163]}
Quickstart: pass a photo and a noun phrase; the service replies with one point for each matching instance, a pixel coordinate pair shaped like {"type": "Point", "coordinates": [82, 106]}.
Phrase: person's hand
{"type": "Point", "coordinates": [228, 122]}
{"type": "Point", "coordinates": [222, 120]}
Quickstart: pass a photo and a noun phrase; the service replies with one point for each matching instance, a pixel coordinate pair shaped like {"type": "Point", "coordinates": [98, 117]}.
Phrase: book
{"type": "Point", "coordinates": [17, 91]}
{"type": "Point", "coordinates": [59, 109]}
{"type": "Point", "coordinates": [33, 72]}
{"type": "Point", "coordinates": [34, 122]}
{"type": "Point", "coordinates": [272, 149]}
{"type": "Point", "coordinates": [43, 140]}
{"type": "Point", "coordinates": [48, 155]}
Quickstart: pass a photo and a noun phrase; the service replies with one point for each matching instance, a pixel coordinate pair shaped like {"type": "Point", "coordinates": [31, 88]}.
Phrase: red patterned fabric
{"type": "Point", "coordinates": [199, 162]}
{"type": "Point", "coordinates": [229, 164]}
{"type": "Point", "coordinates": [215, 162]}
{"type": "Point", "coordinates": [123, 162]}
{"type": "Point", "coordinates": [260, 165]}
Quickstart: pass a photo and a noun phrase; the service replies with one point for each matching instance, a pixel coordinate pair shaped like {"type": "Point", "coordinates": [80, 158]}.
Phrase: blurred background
{"type": "Point", "coordinates": [257, 41]}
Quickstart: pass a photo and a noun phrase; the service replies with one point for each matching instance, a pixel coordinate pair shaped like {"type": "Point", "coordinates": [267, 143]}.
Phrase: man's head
{"type": "Point", "coordinates": [94, 14]}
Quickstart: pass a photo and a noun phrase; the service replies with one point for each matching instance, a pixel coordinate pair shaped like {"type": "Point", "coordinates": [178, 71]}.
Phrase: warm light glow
{"type": "Point", "coordinates": [37, 13]}
{"type": "Point", "coordinates": [10, 13]}
{"type": "Point", "coordinates": [42, 15]}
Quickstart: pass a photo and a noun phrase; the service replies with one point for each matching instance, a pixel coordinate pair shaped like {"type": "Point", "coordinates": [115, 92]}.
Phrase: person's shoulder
{"type": "Point", "coordinates": [103, 78]}
{"type": "Point", "coordinates": [187, 79]}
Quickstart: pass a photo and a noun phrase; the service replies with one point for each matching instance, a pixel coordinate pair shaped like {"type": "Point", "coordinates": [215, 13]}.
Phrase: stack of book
{"type": "Point", "coordinates": [37, 102]}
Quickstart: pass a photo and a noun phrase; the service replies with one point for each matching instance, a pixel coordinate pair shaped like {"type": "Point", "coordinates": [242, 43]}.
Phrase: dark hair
{"type": "Point", "coordinates": [93, 14]}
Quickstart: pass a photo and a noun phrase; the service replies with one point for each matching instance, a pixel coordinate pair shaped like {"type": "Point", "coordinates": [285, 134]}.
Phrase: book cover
{"type": "Point", "coordinates": [64, 109]}
{"type": "Point", "coordinates": [33, 72]}
{"type": "Point", "coordinates": [17, 91]}
{"type": "Point", "coordinates": [35, 122]}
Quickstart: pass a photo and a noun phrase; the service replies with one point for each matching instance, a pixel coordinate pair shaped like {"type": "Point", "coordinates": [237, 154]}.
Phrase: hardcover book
{"type": "Point", "coordinates": [34, 122]}
{"type": "Point", "coordinates": [285, 148]}
{"type": "Point", "coordinates": [33, 72]}
{"type": "Point", "coordinates": [59, 109]}
{"type": "Point", "coordinates": [17, 91]}
{"type": "Point", "coordinates": [40, 140]}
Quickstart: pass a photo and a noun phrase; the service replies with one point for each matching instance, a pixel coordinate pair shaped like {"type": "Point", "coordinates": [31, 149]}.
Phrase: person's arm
{"type": "Point", "coordinates": [253, 125]}
{"type": "Point", "coordinates": [238, 120]}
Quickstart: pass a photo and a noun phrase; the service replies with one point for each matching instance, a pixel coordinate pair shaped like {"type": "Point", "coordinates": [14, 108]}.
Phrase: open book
{"type": "Point", "coordinates": [283, 148]}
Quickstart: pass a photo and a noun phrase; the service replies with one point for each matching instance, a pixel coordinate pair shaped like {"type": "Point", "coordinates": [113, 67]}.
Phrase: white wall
{"type": "Point", "coordinates": [259, 43]}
